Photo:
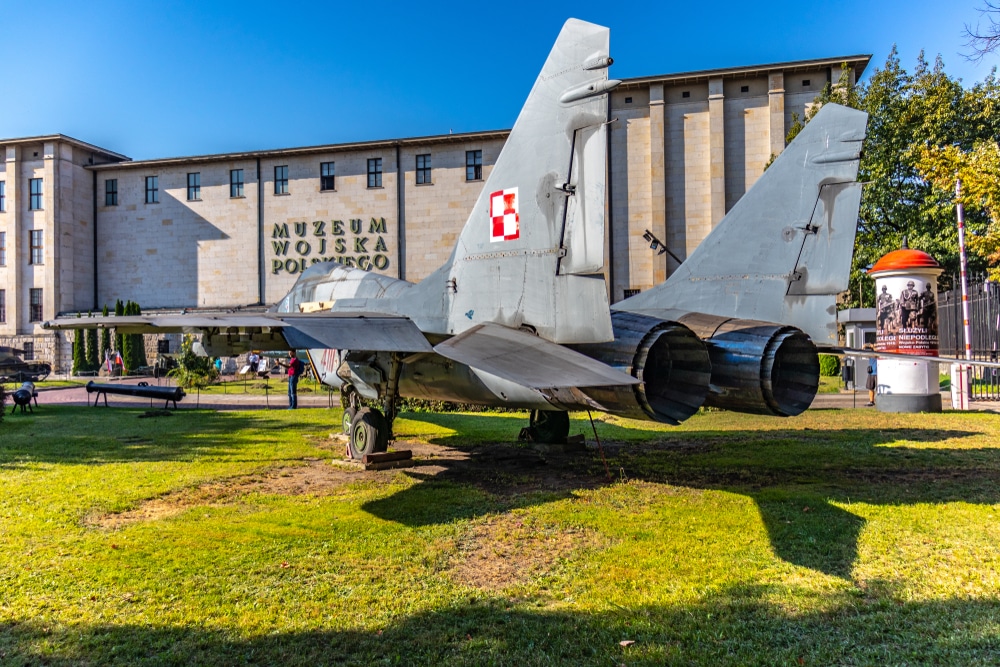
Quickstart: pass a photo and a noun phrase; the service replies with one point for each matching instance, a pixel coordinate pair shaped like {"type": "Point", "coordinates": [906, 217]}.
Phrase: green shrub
{"type": "Point", "coordinates": [829, 365]}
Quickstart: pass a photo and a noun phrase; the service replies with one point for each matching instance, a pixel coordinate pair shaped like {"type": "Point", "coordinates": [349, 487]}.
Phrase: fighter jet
{"type": "Point", "coordinates": [519, 316]}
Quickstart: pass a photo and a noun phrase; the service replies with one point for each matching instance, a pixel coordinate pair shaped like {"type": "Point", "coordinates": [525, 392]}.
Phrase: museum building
{"type": "Point", "coordinates": [82, 226]}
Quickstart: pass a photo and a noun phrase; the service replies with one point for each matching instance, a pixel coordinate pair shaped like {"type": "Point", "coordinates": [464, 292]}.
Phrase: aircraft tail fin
{"type": "Point", "coordinates": [531, 254]}
{"type": "Point", "coordinates": [783, 252]}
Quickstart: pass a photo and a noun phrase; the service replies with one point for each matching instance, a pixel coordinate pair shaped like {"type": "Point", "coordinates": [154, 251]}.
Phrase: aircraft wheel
{"type": "Point", "coordinates": [550, 426]}
{"type": "Point", "coordinates": [347, 419]}
{"type": "Point", "coordinates": [369, 433]}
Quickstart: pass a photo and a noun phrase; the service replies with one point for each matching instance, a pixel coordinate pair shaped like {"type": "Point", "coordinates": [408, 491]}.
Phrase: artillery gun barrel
{"type": "Point", "coordinates": [162, 393]}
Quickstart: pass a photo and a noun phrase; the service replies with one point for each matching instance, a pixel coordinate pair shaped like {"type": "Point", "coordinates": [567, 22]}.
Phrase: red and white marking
{"type": "Point", "coordinates": [504, 218]}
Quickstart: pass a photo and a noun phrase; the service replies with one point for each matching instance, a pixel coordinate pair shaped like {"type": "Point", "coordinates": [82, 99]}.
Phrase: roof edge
{"type": "Point", "coordinates": [305, 150]}
{"type": "Point", "coordinates": [67, 139]}
{"type": "Point", "coordinates": [725, 72]}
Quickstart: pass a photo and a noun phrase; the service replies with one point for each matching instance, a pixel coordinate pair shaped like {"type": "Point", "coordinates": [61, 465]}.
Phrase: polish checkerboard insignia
{"type": "Point", "coordinates": [504, 218]}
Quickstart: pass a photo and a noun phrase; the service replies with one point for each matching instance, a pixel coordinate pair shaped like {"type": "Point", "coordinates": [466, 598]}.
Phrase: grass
{"type": "Point", "coordinates": [838, 537]}
{"type": "Point", "coordinates": [276, 383]}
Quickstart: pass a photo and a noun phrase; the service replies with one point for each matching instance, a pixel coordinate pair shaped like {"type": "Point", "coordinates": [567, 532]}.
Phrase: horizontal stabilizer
{"type": "Point", "coordinates": [528, 360]}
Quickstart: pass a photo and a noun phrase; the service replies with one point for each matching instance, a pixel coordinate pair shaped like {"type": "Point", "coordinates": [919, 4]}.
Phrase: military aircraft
{"type": "Point", "coordinates": [519, 315]}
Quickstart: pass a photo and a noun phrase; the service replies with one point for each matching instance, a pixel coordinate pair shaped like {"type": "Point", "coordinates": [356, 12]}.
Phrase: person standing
{"type": "Point", "coordinates": [872, 382]}
{"type": "Point", "coordinates": [295, 370]}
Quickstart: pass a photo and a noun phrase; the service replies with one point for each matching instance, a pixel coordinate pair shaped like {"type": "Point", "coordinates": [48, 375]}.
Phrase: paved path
{"type": "Point", "coordinates": [235, 400]}
{"type": "Point", "coordinates": [278, 399]}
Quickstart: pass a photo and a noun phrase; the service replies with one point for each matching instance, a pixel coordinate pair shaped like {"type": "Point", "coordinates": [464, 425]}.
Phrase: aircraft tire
{"type": "Point", "coordinates": [348, 419]}
{"type": "Point", "coordinates": [382, 441]}
{"type": "Point", "coordinates": [364, 433]}
{"type": "Point", "coordinates": [550, 426]}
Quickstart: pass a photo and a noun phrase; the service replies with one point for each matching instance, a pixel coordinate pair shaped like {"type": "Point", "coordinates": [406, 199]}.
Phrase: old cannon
{"type": "Point", "coordinates": [143, 390]}
{"type": "Point", "coordinates": [22, 398]}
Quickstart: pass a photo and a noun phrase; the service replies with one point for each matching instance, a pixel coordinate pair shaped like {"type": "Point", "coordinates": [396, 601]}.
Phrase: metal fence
{"type": "Point", "coordinates": [984, 319]}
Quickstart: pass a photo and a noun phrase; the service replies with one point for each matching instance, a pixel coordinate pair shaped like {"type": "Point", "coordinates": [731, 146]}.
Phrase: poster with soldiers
{"type": "Point", "coordinates": [906, 315]}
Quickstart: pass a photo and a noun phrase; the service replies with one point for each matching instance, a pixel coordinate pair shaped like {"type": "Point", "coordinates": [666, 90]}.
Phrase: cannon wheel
{"type": "Point", "coordinates": [369, 433]}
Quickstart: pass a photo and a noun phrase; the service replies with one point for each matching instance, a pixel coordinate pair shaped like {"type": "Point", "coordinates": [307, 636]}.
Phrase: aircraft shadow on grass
{"type": "Point", "coordinates": [734, 625]}
{"type": "Point", "coordinates": [797, 478]}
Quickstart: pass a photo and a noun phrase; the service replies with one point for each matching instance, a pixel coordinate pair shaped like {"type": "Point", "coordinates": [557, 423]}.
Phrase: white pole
{"type": "Point", "coordinates": [966, 328]}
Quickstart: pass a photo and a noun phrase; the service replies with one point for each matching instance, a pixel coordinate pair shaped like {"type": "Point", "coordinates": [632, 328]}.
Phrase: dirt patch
{"type": "Point", "coordinates": [316, 477]}
{"type": "Point", "coordinates": [504, 551]}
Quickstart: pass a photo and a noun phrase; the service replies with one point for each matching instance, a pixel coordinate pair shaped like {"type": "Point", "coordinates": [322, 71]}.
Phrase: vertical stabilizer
{"type": "Point", "coordinates": [532, 251]}
{"type": "Point", "coordinates": [783, 252]}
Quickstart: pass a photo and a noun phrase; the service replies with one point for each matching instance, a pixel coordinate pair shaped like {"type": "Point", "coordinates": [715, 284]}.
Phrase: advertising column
{"type": "Point", "coordinates": [906, 323]}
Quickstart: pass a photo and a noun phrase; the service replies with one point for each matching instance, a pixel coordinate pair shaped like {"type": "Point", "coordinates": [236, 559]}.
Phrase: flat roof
{"type": "Point", "coordinates": [65, 139]}
{"type": "Point", "coordinates": [309, 150]}
{"type": "Point", "coordinates": [860, 61]}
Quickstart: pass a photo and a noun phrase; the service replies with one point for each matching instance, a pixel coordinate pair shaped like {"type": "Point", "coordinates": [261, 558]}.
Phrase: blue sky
{"type": "Point", "coordinates": [182, 78]}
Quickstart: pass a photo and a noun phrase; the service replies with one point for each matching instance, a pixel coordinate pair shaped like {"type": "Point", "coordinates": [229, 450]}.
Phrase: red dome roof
{"type": "Point", "coordinates": [907, 258]}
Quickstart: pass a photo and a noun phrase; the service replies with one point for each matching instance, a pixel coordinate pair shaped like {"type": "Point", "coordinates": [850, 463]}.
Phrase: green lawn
{"type": "Point", "coordinates": [838, 537]}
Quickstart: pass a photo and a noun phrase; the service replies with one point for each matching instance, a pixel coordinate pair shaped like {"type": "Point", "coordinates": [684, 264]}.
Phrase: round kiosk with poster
{"type": "Point", "coordinates": [906, 323]}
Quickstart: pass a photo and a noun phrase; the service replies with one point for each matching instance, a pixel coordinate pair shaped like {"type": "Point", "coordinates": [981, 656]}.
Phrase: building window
{"type": "Point", "coordinates": [3, 306]}
{"type": "Point", "coordinates": [29, 348]}
{"type": "Point", "coordinates": [3, 196]}
{"type": "Point", "coordinates": [36, 246]}
{"type": "Point", "coordinates": [630, 293]}
{"type": "Point", "coordinates": [805, 82]}
{"type": "Point", "coordinates": [235, 182]}
{"type": "Point", "coordinates": [3, 248]}
{"type": "Point", "coordinates": [375, 172]}
{"type": "Point", "coordinates": [686, 93]}
{"type": "Point", "coordinates": [152, 189]}
{"type": "Point", "coordinates": [194, 186]}
{"type": "Point", "coordinates": [473, 165]}
{"type": "Point", "coordinates": [326, 176]}
{"type": "Point", "coordinates": [111, 192]}
{"type": "Point", "coordinates": [281, 180]}
{"type": "Point", "coordinates": [36, 195]}
{"type": "Point", "coordinates": [35, 297]}
{"type": "Point", "coordinates": [423, 169]}
{"type": "Point", "coordinates": [744, 89]}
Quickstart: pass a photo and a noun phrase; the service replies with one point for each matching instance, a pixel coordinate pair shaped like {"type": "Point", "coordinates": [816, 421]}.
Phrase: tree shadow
{"type": "Point", "coordinates": [737, 625]}
{"type": "Point", "coordinates": [799, 479]}
{"type": "Point", "coordinates": [77, 435]}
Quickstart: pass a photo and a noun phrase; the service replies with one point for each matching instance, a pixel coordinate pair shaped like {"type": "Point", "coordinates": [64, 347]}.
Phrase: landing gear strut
{"type": "Point", "coordinates": [547, 426]}
{"type": "Point", "coordinates": [370, 430]}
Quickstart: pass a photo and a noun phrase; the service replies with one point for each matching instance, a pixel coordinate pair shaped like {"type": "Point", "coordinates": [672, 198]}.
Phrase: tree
{"type": "Point", "coordinates": [92, 362]}
{"type": "Point", "coordinates": [192, 370]}
{"type": "Point", "coordinates": [128, 341]}
{"type": "Point", "coordinates": [908, 113]}
{"type": "Point", "coordinates": [119, 310]}
{"type": "Point", "coordinates": [133, 345]}
{"type": "Point", "coordinates": [79, 350]}
{"type": "Point", "coordinates": [979, 171]}
{"type": "Point", "coordinates": [105, 347]}
{"type": "Point", "coordinates": [140, 342]}
{"type": "Point", "coordinates": [984, 38]}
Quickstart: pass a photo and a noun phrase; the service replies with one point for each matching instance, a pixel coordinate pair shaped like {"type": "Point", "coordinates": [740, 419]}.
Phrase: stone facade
{"type": "Point", "coordinates": [683, 149]}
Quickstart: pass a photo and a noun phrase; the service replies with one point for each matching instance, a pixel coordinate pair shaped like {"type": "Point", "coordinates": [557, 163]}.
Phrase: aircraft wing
{"type": "Point", "coordinates": [374, 332]}
{"type": "Point", "coordinates": [528, 360]}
